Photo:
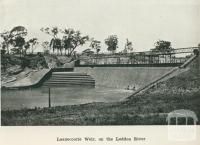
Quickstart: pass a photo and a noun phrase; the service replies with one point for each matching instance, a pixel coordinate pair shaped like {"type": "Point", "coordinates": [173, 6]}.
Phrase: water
{"type": "Point", "coordinates": [18, 99]}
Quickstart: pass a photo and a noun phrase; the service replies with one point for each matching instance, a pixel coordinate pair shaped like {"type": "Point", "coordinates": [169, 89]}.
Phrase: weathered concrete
{"type": "Point", "coordinates": [121, 77]}
{"type": "Point", "coordinates": [32, 79]}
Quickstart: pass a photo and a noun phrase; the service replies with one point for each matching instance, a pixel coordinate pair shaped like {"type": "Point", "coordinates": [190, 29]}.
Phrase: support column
{"type": "Point", "coordinates": [49, 97]}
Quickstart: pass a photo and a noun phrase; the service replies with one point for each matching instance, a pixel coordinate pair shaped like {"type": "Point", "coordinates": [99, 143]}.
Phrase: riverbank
{"type": "Point", "coordinates": [26, 78]}
{"type": "Point", "coordinates": [148, 109]}
{"type": "Point", "coordinates": [22, 71]}
{"type": "Point", "coordinates": [28, 71]}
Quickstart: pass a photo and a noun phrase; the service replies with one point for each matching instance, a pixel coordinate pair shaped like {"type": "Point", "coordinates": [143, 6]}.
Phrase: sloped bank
{"type": "Point", "coordinates": [186, 75]}
{"type": "Point", "coordinates": [35, 79]}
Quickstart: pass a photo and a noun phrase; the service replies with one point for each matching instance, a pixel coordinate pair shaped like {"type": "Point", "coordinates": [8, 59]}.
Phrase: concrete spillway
{"type": "Point", "coordinates": [121, 77]}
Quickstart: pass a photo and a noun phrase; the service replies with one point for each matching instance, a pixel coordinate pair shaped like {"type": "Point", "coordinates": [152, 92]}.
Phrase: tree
{"type": "Point", "coordinates": [18, 43]}
{"type": "Point", "coordinates": [33, 42]}
{"type": "Point", "coordinates": [55, 42]}
{"type": "Point", "coordinates": [56, 45]}
{"type": "Point", "coordinates": [17, 35]}
{"type": "Point", "coordinates": [163, 46]}
{"type": "Point", "coordinates": [14, 37]}
{"type": "Point", "coordinates": [18, 31]}
{"type": "Point", "coordinates": [3, 48]}
{"type": "Point", "coordinates": [112, 42]}
{"type": "Point", "coordinates": [67, 45]}
{"type": "Point", "coordinates": [6, 41]}
{"type": "Point", "coordinates": [51, 31]}
{"type": "Point", "coordinates": [26, 47]}
{"type": "Point", "coordinates": [45, 46]}
{"type": "Point", "coordinates": [72, 39]}
{"type": "Point", "coordinates": [128, 46]}
{"type": "Point", "coordinates": [96, 45]}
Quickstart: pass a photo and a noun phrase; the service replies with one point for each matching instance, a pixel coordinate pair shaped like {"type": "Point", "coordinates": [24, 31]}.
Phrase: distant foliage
{"type": "Point", "coordinates": [112, 43]}
{"type": "Point", "coordinates": [7, 39]}
{"type": "Point", "coordinates": [15, 41]}
{"type": "Point", "coordinates": [55, 42]}
{"type": "Point", "coordinates": [128, 46]}
{"type": "Point", "coordinates": [18, 31]}
{"type": "Point", "coordinates": [163, 46]}
{"type": "Point", "coordinates": [51, 31]}
{"type": "Point", "coordinates": [72, 39]}
{"type": "Point", "coordinates": [46, 46]}
{"type": "Point", "coordinates": [18, 43]}
{"type": "Point", "coordinates": [18, 35]}
{"type": "Point", "coordinates": [69, 41]}
{"type": "Point", "coordinates": [96, 45]}
{"type": "Point", "coordinates": [33, 42]}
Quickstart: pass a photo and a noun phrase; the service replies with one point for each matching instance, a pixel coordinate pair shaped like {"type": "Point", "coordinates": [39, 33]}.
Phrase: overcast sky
{"type": "Point", "coordinates": [141, 21]}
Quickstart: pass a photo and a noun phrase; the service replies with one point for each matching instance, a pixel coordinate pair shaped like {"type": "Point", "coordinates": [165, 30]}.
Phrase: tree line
{"type": "Point", "coordinates": [63, 42]}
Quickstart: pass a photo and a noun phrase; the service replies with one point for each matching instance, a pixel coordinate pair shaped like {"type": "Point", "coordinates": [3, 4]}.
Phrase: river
{"type": "Point", "coordinates": [38, 97]}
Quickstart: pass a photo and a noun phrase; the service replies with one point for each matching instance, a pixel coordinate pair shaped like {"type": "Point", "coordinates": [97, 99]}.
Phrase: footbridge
{"type": "Point", "coordinates": [170, 58]}
{"type": "Point", "coordinates": [140, 70]}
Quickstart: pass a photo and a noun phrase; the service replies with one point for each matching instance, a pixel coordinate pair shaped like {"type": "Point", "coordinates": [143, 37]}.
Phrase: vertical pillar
{"type": "Point", "coordinates": [168, 119]}
{"type": "Point", "coordinates": [49, 97]}
{"type": "Point", "coordinates": [186, 121]}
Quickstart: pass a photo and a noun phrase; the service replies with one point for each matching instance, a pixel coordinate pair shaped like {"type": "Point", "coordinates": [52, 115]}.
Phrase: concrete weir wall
{"type": "Point", "coordinates": [121, 77]}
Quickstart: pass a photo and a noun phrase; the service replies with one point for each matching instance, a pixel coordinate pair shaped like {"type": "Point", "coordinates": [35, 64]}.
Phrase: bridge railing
{"type": "Point", "coordinates": [146, 57]}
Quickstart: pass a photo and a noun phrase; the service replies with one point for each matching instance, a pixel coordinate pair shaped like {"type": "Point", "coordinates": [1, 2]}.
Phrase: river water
{"type": "Point", "coordinates": [38, 97]}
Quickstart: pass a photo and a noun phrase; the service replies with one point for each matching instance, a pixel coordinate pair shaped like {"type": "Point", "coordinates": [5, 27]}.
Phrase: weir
{"type": "Point", "coordinates": [122, 77]}
{"type": "Point", "coordinates": [110, 84]}
{"type": "Point", "coordinates": [135, 70]}
{"type": "Point", "coordinates": [139, 74]}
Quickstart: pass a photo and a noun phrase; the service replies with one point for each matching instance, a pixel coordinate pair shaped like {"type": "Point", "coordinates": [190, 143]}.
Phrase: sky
{"type": "Point", "coordinates": [141, 21]}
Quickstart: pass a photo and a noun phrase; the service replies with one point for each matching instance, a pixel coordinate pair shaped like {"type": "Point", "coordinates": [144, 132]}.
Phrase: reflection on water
{"type": "Point", "coordinates": [17, 99]}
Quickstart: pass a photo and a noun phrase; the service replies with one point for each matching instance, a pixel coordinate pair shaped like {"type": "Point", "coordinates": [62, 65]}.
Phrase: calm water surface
{"type": "Point", "coordinates": [18, 99]}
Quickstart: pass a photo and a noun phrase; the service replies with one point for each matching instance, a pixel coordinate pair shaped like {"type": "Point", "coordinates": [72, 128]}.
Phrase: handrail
{"type": "Point", "coordinates": [154, 52]}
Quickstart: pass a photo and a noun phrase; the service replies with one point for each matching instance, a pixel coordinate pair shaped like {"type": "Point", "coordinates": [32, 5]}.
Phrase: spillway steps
{"type": "Point", "coordinates": [63, 79]}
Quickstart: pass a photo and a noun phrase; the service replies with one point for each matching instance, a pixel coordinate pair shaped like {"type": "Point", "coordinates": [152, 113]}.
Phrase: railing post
{"type": "Point", "coordinates": [49, 97]}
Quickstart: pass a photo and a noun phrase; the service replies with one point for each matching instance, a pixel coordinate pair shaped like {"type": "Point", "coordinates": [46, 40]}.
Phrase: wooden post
{"type": "Point", "coordinates": [186, 122]}
{"type": "Point", "coordinates": [49, 97]}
